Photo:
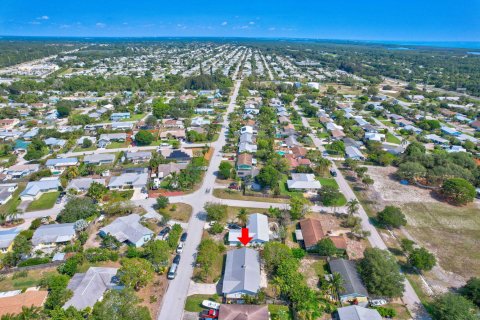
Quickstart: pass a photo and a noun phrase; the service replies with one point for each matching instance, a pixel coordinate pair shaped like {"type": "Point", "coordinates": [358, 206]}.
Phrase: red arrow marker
{"type": "Point", "coordinates": [245, 238]}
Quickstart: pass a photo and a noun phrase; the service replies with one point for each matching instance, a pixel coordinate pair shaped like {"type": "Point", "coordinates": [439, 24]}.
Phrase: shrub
{"type": "Point", "coordinates": [33, 262]}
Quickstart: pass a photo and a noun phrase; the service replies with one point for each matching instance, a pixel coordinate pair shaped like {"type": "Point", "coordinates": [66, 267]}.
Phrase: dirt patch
{"type": "Point", "coordinates": [309, 271]}
{"type": "Point", "coordinates": [389, 189]}
{"type": "Point", "coordinates": [152, 294]}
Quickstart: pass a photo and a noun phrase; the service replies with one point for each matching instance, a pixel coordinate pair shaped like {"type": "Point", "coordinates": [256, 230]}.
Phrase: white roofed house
{"type": "Point", "coordinates": [129, 230]}
{"type": "Point", "coordinates": [138, 157]}
{"type": "Point", "coordinates": [81, 139]}
{"type": "Point", "coordinates": [89, 287]}
{"type": "Point", "coordinates": [6, 239]}
{"type": "Point", "coordinates": [303, 182]}
{"type": "Point", "coordinates": [99, 159]}
{"type": "Point", "coordinates": [354, 153]}
{"type": "Point", "coordinates": [373, 136]}
{"type": "Point", "coordinates": [50, 235]}
{"type": "Point", "coordinates": [83, 184]}
{"type": "Point", "coordinates": [129, 180]}
{"type": "Point", "coordinates": [257, 227]}
{"type": "Point", "coordinates": [6, 191]}
{"type": "Point", "coordinates": [21, 170]}
{"type": "Point", "coordinates": [57, 166]}
{"type": "Point", "coordinates": [55, 143]}
{"type": "Point", "coordinates": [35, 189]}
{"type": "Point", "coordinates": [107, 138]}
{"type": "Point", "coordinates": [242, 274]}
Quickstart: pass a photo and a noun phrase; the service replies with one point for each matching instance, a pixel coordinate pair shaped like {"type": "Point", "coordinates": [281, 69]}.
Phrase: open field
{"type": "Point", "coordinates": [178, 211]}
{"type": "Point", "coordinates": [31, 280]}
{"type": "Point", "coordinates": [450, 232]}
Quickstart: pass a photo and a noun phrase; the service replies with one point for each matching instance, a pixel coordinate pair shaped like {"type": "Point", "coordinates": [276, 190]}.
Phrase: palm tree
{"type": "Point", "coordinates": [336, 282]}
{"type": "Point", "coordinates": [72, 172]}
{"type": "Point", "coordinates": [352, 206]}
{"type": "Point", "coordinates": [242, 216]}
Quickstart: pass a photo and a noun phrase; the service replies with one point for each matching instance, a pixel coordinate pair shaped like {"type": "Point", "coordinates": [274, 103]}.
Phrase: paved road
{"type": "Point", "coordinates": [410, 297]}
{"type": "Point", "coordinates": [174, 299]}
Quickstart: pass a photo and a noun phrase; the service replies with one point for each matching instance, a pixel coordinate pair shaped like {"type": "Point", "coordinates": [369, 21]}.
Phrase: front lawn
{"type": "Point", "coordinates": [116, 145]}
{"type": "Point", "coordinates": [46, 201]}
{"type": "Point", "coordinates": [194, 302]}
{"type": "Point", "coordinates": [328, 182]}
{"type": "Point", "coordinates": [12, 204]}
{"type": "Point", "coordinates": [134, 117]}
{"type": "Point", "coordinates": [178, 211]}
{"type": "Point", "coordinates": [116, 195]}
{"type": "Point", "coordinates": [392, 139]}
{"type": "Point", "coordinates": [80, 149]}
{"type": "Point", "coordinates": [284, 188]}
{"type": "Point", "coordinates": [237, 195]}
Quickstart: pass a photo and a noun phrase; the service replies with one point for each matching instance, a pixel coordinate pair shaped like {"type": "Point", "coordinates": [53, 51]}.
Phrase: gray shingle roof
{"type": "Point", "coordinates": [127, 228]}
{"type": "Point", "coordinates": [55, 233]}
{"type": "Point", "coordinates": [351, 279]}
{"type": "Point", "coordinates": [242, 271]}
{"type": "Point", "coordinates": [89, 287]}
{"type": "Point", "coordinates": [7, 236]}
{"type": "Point", "coordinates": [137, 180]}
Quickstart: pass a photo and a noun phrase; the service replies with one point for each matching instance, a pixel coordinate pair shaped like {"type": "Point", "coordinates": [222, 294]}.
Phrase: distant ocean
{"type": "Point", "coordinates": [401, 44]}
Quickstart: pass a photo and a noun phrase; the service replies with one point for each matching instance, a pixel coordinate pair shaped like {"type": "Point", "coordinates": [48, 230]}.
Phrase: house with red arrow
{"type": "Point", "coordinates": [258, 231]}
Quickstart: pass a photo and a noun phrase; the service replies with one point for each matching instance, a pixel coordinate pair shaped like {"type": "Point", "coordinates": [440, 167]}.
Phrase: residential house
{"type": "Point", "coordinates": [6, 192]}
{"type": "Point", "coordinates": [357, 313]}
{"type": "Point", "coordinates": [303, 182]}
{"type": "Point", "coordinates": [58, 165]}
{"type": "Point", "coordinates": [450, 131]}
{"type": "Point", "coordinates": [354, 153]}
{"type": "Point", "coordinates": [247, 138]}
{"type": "Point", "coordinates": [312, 230]}
{"type": "Point", "coordinates": [242, 273]}
{"type": "Point", "coordinates": [99, 158]}
{"type": "Point", "coordinates": [83, 184]}
{"type": "Point", "coordinates": [337, 134]}
{"type": "Point", "coordinates": [14, 302]}
{"type": "Point", "coordinates": [81, 139]}
{"type": "Point", "coordinates": [172, 123]}
{"type": "Point", "coordinates": [117, 116]}
{"type": "Point", "coordinates": [89, 287]}
{"type": "Point", "coordinates": [353, 288]}
{"type": "Point", "coordinates": [243, 312]}
{"type": "Point", "coordinates": [49, 235]}
{"type": "Point", "coordinates": [129, 180]}
{"type": "Point", "coordinates": [35, 189]}
{"type": "Point", "coordinates": [6, 239]}
{"type": "Point", "coordinates": [173, 134]}
{"type": "Point", "coordinates": [129, 230]}
{"type": "Point", "coordinates": [107, 138]}
{"type": "Point", "coordinates": [29, 135]}
{"type": "Point", "coordinates": [138, 157]}
{"type": "Point", "coordinates": [291, 141]}
{"type": "Point", "coordinates": [437, 139]}
{"type": "Point", "coordinates": [8, 124]}
{"type": "Point", "coordinates": [257, 227]}
{"type": "Point", "coordinates": [21, 170]}
{"type": "Point", "coordinates": [55, 143]}
{"type": "Point", "coordinates": [164, 170]}
{"type": "Point", "coordinates": [200, 121]}
{"type": "Point", "coordinates": [244, 164]}
{"type": "Point", "coordinates": [456, 149]}
{"type": "Point", "coordinates": [475, 124]}
{"type": "Point", "coordinates": [247, 147]}
{"type": "Point", "coordinates": [373, 136]}
{"type": "Point", "coordinates": [181, 155]}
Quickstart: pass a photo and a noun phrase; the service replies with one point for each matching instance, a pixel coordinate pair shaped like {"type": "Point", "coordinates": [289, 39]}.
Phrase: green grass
{"type": "Point", "coordinates": [80, 149]}
{"type": "Point", "coordinates": [134, 117]}
{"type": "Point", "coordinates": [392, 139]}
{"type": "Point", "coordinates": [328, 182]}
{"type": "Point", "coordinates": [388, 123]}
{"type": "Point", "coordinates": [320, 268]}
{"type": "Point", "coordinates": [115, 145]}
{"type": "Point", "coordinates": [115, 195]}
{"type": "Point", "coordinates": [194, 302]}
{"type": "Point", "coordinates": [340, 201]}
{"type": "Point", "coordinates": [46, 201]}
{"type": "Point", "coordinates": [12, 204]}
{"type": "Point", "coordinates": [284, 188]}
{"type": "Point", "coordinates": [279, 312]}
{"type": "Point", "coordinates": [32, 279]}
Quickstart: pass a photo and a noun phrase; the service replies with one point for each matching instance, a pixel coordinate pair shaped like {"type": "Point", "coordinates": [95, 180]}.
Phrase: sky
{"type": "Point", "coordinates": [405, 20]}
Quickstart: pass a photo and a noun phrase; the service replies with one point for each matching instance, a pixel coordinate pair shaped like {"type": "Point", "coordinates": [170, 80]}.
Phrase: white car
{"type": "Point", "coordinates": [180, 247]}
{"type": "Point", "coordinates": [378, 302]}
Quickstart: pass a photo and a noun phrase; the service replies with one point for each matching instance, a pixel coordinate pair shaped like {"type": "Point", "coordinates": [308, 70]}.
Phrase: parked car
{"type": "Point", "coordinates": [378, 302]}
{"type": "Point", "coordinates": [163, 233]}
{"type": "Point", "coordinates": [180, 247]}
{"type": "Point", "coordinates": [177, 259]}
{"type": "Point", "coordinates": [333, 172]}
{"type": "Point", "coordinates": [183, 238]}
{"type": "Point", "coordinates": [234, 186]}
{"type": "Point", "coordinates": [209, 314]}
{"type": "Point", "coordinates": [233, 226]}
{"type": "Point", "coordinates": [172, 272]}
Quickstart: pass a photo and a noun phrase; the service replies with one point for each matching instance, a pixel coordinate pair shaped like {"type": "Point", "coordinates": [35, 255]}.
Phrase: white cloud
{"type": "Point", "coordinates": [64, 26]}
{"type": "Point", "coordinates": [272, 29]}
{"type": "Point", "coordinates": [43, 18]}
{"type": "Point", "coordinates": [100, 25]}
{"type": "Point", "coordinates": [224, 23]}
{"type": "Point", "coordinates": [181, 26]}
{"type": "Point", "coordinates": [34, 22]}
{"type": "Point", "coordinates": [251, 23]}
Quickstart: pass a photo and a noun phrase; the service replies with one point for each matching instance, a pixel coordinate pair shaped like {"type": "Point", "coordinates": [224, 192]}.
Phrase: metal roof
{"type": "Point", "coordinates": [242, 272]}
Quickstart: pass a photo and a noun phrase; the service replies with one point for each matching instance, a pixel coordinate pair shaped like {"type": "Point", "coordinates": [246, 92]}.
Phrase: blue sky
{"type": "Point", "coordinates": [408, 20]}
